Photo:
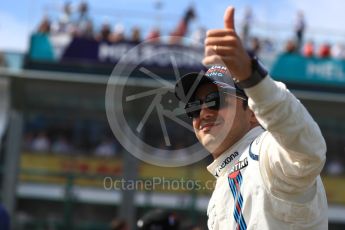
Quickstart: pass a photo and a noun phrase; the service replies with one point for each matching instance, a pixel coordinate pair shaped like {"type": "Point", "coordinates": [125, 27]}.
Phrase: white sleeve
{"type": "Point", "coordinates": [293, 150]}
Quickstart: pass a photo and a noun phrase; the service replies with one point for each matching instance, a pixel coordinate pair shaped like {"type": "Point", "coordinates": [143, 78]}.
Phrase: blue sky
{"type": "Point", "coordinates": [18, 18]}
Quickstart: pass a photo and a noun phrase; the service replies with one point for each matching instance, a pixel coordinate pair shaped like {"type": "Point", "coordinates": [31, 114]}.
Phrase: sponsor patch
{"type": "Point", "coordinates": [226, 161]}
{"type": "Point", "coordinates": [237, 167]}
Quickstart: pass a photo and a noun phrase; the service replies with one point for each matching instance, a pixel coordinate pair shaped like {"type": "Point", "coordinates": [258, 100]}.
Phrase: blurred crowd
{"type": "Point", "coordinates": [311, 48]}
{"type": "Point", "coordinates": [78, 23]}
{"type": "Point", "coordinates": [68, 137]}
{"type": "Point", "coordinates": [297, 44]}
{"type": "Point", "coordinates": [43, 134]}
{"type": "Point", "coordinates": [59, 142]}
{"type": "Point", "coordinates": [45, 142]}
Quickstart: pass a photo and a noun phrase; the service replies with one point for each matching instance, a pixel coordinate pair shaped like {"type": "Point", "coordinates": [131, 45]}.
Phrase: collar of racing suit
{"type": "Point", "coordinates": [227, 160]}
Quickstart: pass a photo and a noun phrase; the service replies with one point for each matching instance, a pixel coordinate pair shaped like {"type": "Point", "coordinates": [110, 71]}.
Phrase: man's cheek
{"type": "Point", "coordinates": [197, 134]}
{"type": "Point", "coordinates": [225, 130]}
{"type": "Point", "coordinates": [196, 130]}
{"type": "Point", "coordinates": [195, 124]}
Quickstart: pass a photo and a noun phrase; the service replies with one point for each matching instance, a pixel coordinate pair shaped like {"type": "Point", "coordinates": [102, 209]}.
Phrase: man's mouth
{"type": "Point", "coordinates": [208, 126]}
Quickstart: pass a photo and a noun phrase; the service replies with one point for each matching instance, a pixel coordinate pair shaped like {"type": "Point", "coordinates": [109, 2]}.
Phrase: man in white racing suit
{"type": "Point", "coordinates": [268, 157]}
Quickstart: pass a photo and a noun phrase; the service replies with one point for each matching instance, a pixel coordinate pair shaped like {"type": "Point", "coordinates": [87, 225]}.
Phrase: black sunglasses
{"type": "Point", "coordinates": [213, 101]}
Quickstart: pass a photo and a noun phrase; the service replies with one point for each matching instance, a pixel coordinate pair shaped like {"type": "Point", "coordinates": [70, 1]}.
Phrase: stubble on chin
{"type": "Point", "coordinates": [210, 142]}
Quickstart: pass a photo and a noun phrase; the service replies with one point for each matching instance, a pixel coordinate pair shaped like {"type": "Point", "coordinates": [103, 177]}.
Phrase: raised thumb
{"type": "Point", "coordinates": [229, 18]}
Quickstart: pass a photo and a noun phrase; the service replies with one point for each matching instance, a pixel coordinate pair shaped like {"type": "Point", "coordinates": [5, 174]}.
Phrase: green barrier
{"type": "Point", "coordinates": [317, 71]}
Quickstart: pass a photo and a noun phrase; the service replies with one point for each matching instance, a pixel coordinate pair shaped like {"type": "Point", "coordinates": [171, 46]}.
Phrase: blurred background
{"type": "Point", "coordinates": [59, 159]}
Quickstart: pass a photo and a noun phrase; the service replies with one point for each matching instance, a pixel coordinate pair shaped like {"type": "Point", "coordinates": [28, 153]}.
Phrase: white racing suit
{"type": "Point", "coordinates": [270, 179]}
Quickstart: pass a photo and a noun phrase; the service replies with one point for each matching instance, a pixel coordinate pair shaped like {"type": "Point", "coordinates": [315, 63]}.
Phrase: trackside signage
{"type": "Point", "coordinates": [315, 71]}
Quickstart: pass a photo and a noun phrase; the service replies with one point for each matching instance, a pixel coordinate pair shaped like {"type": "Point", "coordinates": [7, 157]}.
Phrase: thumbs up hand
{"type": "Point", "coordinates": [223, 46]}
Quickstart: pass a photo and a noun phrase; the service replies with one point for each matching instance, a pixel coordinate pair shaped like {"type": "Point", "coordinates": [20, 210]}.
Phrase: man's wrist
{"type": "Point", "coordinates": [258, 73]}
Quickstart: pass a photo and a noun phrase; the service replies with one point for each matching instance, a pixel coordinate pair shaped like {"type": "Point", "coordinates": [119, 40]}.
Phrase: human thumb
{"type": "Point", "coordinates": [229, 18]}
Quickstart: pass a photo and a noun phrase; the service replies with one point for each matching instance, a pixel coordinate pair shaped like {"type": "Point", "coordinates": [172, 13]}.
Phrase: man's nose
{"type": "Point", "coordinates": [205, 112]}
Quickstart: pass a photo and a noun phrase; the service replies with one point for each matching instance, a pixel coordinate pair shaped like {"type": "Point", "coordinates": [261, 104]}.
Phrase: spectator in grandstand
{"type": "Point", "coordinates": [198, 36]}
{"type": "Point", "coordinates": [246, 23]}
{"type": "Point", "coordinates": [105, 33]}
{"type": "Point", "coordinates": [83, 12]}
{"type": "Point", "coordinates": [300, 26]}
{"type": "Point", "coordinates": [290, 47]}
{"type": "Point", "coordinates": [119, 224]}
{"type": "Point", "coordinates": [254, 47]}
{"type": "Point", "coordinates": [65, 23]}
{"type": "Point", "coordinates": [182, 28]}
{"type": "Point", "coordinates": [267, 45]}
{"type": "Point", "coordinates": [61, 145]}
{"type": "Point", "coordinates": [154, 35]}
{"type": "Point", "coordinates": [338, 51]}
{"type": "Point", "coordinates": [44, 26]}
{"type": "Point", "coordinates": [88, 32]}
{"type": "Point", "coordinates": [106, 148]}
{"type": "Point", "coordinates": [335, 166]}
{"type": "Point", "coordinates": [135, 35]}
{"type": "Point", "coordinates": [119, 33]}
{"type": "Point", "coordinates": [325, 50]}
{"type": "Point", "coordinates": [41, 143]}
{"type": "Point", "coordinates": [4, 219]}
{"type": "Point", "coordinates": [308, 49]}
{"type": "Point", "coordinates": [83, 20]}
